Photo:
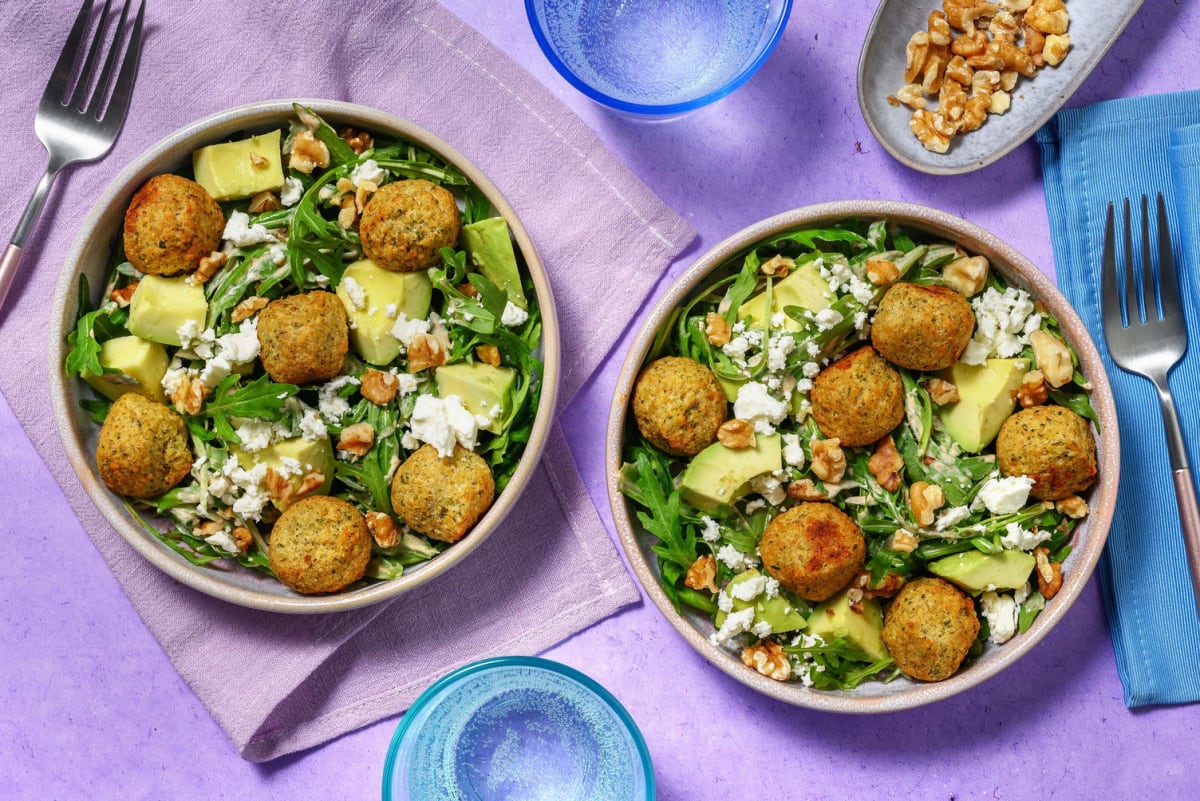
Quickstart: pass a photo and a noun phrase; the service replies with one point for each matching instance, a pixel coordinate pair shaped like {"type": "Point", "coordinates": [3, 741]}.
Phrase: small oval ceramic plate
{"type": "Point", "coordinates": [1094, 27]}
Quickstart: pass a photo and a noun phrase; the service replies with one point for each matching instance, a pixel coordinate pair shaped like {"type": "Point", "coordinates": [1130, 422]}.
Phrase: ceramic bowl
{"type": "Point", "coordinates": [871, 697]}
{"type": "Point", "coordinates": [89, 256]}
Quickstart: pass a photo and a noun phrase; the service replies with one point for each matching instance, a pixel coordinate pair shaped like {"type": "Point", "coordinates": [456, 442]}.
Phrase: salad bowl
{"type": "Point", "coordinates": [92, 258]}
{"type": "Point", "coordinates": [639, 505]}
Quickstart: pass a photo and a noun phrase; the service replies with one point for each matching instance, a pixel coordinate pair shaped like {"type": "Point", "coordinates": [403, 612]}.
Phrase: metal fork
{"type": "Point", "coordinates": [1151, 342]}
{"type": "Point", "coordinates": [73, 123]}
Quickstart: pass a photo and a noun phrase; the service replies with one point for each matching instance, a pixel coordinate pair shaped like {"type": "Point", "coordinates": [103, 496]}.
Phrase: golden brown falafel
{"type": "Point", "coordinates": [170, 225]}
{"type": "Point", "coordinates": [1052, 445]}
{"type": "Point", "coordinates": [406, 223]}
{"type": "Point", "coordinates": [922, 327]}
{"type": "Point", "coordinates": [813, 549]}
{"type": "Point", "coordinates": [858, 399]}
{"type": "Point", "coordinates": [679, 405]}
{"type": "Point", "coordinates": [440, 497]}
{"type": "Point", "coordinates": [319, 544]}
{"type": "Point", "coordinates": [303, 338]}
{"type": "Point", "coordinates": [143, 448]}
{"type": "Point", "coordinates": [929, 627]}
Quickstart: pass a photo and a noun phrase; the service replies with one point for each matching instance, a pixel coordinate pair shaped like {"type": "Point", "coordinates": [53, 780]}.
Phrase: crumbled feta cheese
{"type": "Point", "coordinates": [755, 405]}
{"type": "Point", "coordinates": [737, 348]}
{"type": "Point", "coordinates": [406, 330]}
{"type": "Point", "coordinates": [771, 587]}
{"type": "Point", "coordinates": [230, 351]}
{"type": "Point", "coordinates": [710, 532]}
{"type": "Point", "coordinates": [513, 315]}
{"type": "Point", "coordinates": [951, 517]}
{"type": "Point", "coordinates": [369, 170]}
{"type": "Point", "coordinates": [389, 311]}
{"type": "Point", "coordinates": [1001, 613]}
{"type": "Point", "coordinates": [332, 405]}
{"type": "Point", "coordinates": [827, 319]}
{"type": "Point", "coordinates": [735, 623]}
{"type": "Point", "coordinates": [312, 426]}
{"type": "Point", "coordinates": [735, 560]}
{"type": "Point", "coordinates": [175, 377]}
{"type": "Point", "coordinates": [748, 589]}
{"type": "Point", "coordinates": [1022, 539]}
{"type": "Point", "coordinates": [754, 505]}
{"type": "Point", "coordinates": [188, 333]}
{"type": "Point", "coordinates": [1006, 495]}
{"type": "Point", "coordinates": [770, 487]}
{"type": "Point", "coordinates": [354, 291]}
{"type": "Point", "coordinates": [1003, 323]}
{"type": "Point", "coordinates": [240, 232]}
{"type": "Point", "coordinates": [291, 193]}
{"type": "Point", "coordinates": [810, 369]}
{"type": "Point", "coordinates": [442, 422]}
{"type": "Point", "coordinates": [778, 351]}
{"type": "Point", "coordinates": [256, 434]}
{"type": "Point", "coordinates": [761, 629]}
{"type": "Point", "coordinates": [793, 451]}
{"type": "Point", "coordinates": [408, 383]}
{"type": "Point", "coordinates": [724, 602]}
{"type": "Point", "coordinates": [223, 541]}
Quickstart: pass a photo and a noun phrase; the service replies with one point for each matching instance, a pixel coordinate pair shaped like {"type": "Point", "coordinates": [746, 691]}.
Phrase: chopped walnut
{"type": "Point", "coordinates": [208, 267]}
{"type": "Point", "coordinates": [1053, 358]}
{"type": "Point", "coordinates": [935, 68]}
{"type": "Point", "coordinates": [966, 275]}
{"type": "Point", "coordinates": [702, 574]}
{"type": "Point", "coordinates": [768, 659]}
{"type": "Point", "coordinates": [1003, 23]}
{"type": "Point", "coordinates": [1000, 103]}
{"type": "Point", "coordinates": [828, 459]}
{"type": "Point", "coordinates": [1048, 16]}
{"type": "Point", "coordinates": [716, 328]}
{"type": "Point", "coordinates": [357, 439]}
{"type": "Point", "coordinates": [264, 201]}
{"type": "Point", "coordinates": [362, 193]}
{"type": "Point", "coordinates": [248, 308]}
{"type": "Point", "coordinates": [952, 100]}
{"type": "Point", "coordinates": [488, 354]}
{"type": "Point", "coordinates": [778, 266]}
{"type": "Point", "coordinates": [1049, 574]}
{"type": "Point", "coordinates": [924, 499]}
{"type": "Point", "coordinates": [1072, 506]}
{"type": "Point", "coordinates": [942, 391]}
{"type": "Point", "coordinates": [208, 528]}
{"type": "Point", "coordinates": [916, 52]}
{"type": "Point", "coordinates": [805, 489]}
{"type": "Point", "coordinates": [189, 395]}
{"type": "Point", "coordinates": [468, 289]}
{"type": "Point", "coordinates": [939, 28]}
{"type": "Point", "coordinates": [969, 45]}
{"type": "Point", "coordinates": [736, 434]}
{"type": "Point", "coordinates": [425, 351]}
{"type": "Point", "coordinates": [1032, 391]}
{"type": "Point", "coordinates": [959, 70]}
{"type": "Point", "coordinates": [924, 127]}
{"type": "Point", "coordinates": [882, 272]}
{"type": "Point", "coordinates": [1033, 42]}
{"type": "Point", "coordinates": [348, 214]}
{"type": "Point", "coordinates": [123, 295]}
{"type": "Point", "coordinates": [910, 95]}
{"type": "Point", "coordinates": [962, 14]}
{"type": "Point", "coordinates": [359, 141]}
{"type": "Point", "coordinates": [242, 538]}
{"type": "Point", "coordinates": [902, 540]}
{"type": "Point", "coordinates": [379, 387]}
{"type": "Point", "coordinates": [383, 529]}
{"type": "Point", "coordinates": [886, 463]}
{"type": "Point", "coordinates": [886, 587]}
{"type": "Point", "coordinates": [1008, 80]}
{"type": "Point", "coordinates": [1056, 47]}
{"type": "Point", "coordinates": [308, 153]}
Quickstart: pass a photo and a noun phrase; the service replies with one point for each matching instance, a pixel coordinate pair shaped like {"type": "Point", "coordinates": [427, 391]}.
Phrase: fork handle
{"type": "Point", "coordinates": [1189, 519]}
{"type": "Point", "coordinates": [33, 210]}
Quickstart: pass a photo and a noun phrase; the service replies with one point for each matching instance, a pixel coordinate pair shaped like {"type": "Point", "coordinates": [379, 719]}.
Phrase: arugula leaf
{"type": "Point", "coordinates": [262, 398]}
{"type": "Point", "coordinates": [340, 151]}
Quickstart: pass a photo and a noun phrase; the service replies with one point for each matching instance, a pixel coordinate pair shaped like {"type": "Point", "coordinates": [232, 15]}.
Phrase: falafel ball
{"type": "Point", "coordinates": [143, 448]}
{"type": "Point", "coordinates": [813, 549]}
{"type": "Point", "coordinates": [171, 224]}
{"type": "Point", "coordinates": [858, 399]}
{"type": "Point", "coordinates": [303, 338]}
{"type": "Point", "coordinates": [929, 627]}
{"type": "Point", "coordinates": [441, 497]}
{"type": "Point", "coordinates": [406, 223]}
{"type": "Point", "coordinates": [922, 327]}
{"type": "Point", "coordinates": [679, 405]}
{"type": "Point", "coordinates": [319, 544]}
{"type": "Point", "coordinates": [1052, 445]}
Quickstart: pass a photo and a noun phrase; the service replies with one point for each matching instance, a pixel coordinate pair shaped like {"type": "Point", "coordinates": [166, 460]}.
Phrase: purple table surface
{"type": "Point", "coordinates": [90, 706]}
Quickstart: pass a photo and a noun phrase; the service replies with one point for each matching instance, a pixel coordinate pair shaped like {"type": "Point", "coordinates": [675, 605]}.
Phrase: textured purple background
{"type": "Point", "coordinates": [90, 706]}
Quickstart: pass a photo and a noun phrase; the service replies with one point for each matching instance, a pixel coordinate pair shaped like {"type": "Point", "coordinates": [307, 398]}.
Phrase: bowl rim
{"type": "Point", "coordinates": [489, 664]}
{"type": "Point", "coordinates": [650, 109]}
{"type": "Point", "coordinates": [176, 146]}
{"type": "Point", "coordinates": [1013, 265]}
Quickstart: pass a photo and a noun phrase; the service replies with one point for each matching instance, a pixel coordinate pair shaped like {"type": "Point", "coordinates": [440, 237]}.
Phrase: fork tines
{"type": "Point", "coordinates": [74, 80]}
{"type": "Point", "coordinates": [1144, 299]}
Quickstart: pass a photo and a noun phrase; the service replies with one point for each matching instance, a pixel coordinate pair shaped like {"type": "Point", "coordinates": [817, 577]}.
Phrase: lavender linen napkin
{"type": "Point", "coordinates": [551, 569]}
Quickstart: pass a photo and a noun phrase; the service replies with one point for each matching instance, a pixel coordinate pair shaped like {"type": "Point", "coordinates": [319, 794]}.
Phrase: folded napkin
{"type": "Point", "coordinates": [277, 684]}
{"type": "Point", "coordinates": [1091, 156]}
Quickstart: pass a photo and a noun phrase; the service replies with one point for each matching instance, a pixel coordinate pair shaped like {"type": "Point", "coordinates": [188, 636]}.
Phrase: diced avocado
{"type": "Point", "coordinates": [835, 618]}
{"type": "Point", "coordinates": [140, 366]}
{"type": "Point", "coordinates": [777, 611]}
{"type": "Point", "coordinates": [976, 570]}
{"type": "Point", "coordinates": [717, 475]}
{"type": "Point", "coordinates": [987, 397]}
{"type": "Point", "coordinates": [161, 306]}
{"type": "Point", "coordinates": [730, 387]}
{"type": "Point", "coordinates": [491, 250]}
{"type": "Point", "coordinates": [481, 387]}
{"type": "Point", "coordinates": [313, 455]}
{"type": "Point", "coordinates": [237, 170]}
{"type": "Point", "coordinates": [803, 287]}
{"type": "Point", "coordinates": [371, 326]}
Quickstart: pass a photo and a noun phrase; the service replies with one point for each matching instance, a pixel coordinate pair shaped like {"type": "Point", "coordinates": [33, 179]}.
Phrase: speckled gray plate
{"type": "Point", "coordinates": [90, 256]}
{"type": "Point", "coordinates": [1094, 28]}
{"type": "Point", "coordinates": [1089, 540]}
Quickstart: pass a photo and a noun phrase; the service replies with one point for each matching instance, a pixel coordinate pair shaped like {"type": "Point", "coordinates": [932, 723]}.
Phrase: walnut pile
{"type": "Point", "coordinates": [972, 74]}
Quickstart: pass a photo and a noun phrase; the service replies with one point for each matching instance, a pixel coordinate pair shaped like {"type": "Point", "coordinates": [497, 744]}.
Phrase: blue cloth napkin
{"type": "Point", "coordinates": [1092, 156]}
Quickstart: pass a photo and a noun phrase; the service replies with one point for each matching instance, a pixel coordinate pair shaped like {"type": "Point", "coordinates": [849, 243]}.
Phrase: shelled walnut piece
{"type": "Point", "coordinates": [972, 75]}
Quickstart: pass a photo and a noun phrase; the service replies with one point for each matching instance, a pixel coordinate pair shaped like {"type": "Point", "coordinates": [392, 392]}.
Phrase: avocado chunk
{"type": "Point", "coordinates": [717, 475]}
{"type": "Point", "coordinates": [313, 455]}
{"type": "Point", "coordinates": [237, 170]}
{"type": "Point", "coordinates": [863, 629]}
{"type": "Point", "coordinates": [140, 367]}
{"type": "Point", "coordinates": [491, 250]}
{"type": "Point", "coordinates": [802, 287]}
{"type": "Point", "coordinates": [778, 611]}
{"type": "Point", "coordinates": [977, 571]}
{"type": "Point", "coordinates": [987, 396]}
{"type": "Point", "coordinates": [382, 291]}
{"type": "Point", "coordinates": [482, 388]}
{"type": "Point", "coordinates": [161, 306]}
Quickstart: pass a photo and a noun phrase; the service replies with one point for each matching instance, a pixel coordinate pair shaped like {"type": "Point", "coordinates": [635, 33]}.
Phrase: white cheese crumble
{"type": "Point", "coordinates": [749, 589]}
{"type": "Point", "coordinates": [710, 532]}
{"type": "Point", "coordinates": [793, 451]}
{"type": "Point", "coordinates": [827, 319]}
{"type": "Point", "coordinates": [291, 193]}
{"type": "Point", "coordinates": [257, 434]}
{"type": "Point", "coordinates": [770, 487]}
{"type": "Point", "coordinates": [223, 541]}
{"type": "Point", "coordinates": [735, 623]}
{"type": "Point", "coordinates": [1004, 496]}
{"type": "Point", "coordinates": [1001, 613]}
{"type": "Point", "coordinates": [407, 330]}
{"type": "Point", "coordinates": [761, 629]}
{"type": "Point", "coordinates": [369, 170]}
{"type": "Point", "coordinates": [513, 315]}
{"type": "Point", "coordinates": [951, 517]}
{"type": "Point", "coordinates": [735, 560]}
{"type": "Point", "coordinates": [755, 405]}
{"type": "Point", "coordinates": [240, 232]}
{"type": "Point", "coordinates": [1003, 323]}
{"type": "Point", "coordinates": [777, 352]}
{"type": "Point", "coordinates": [441, 422]}
{"type": "Point", "coordinates": [312, 426]}
{"type": "Point", "coordinates": [332, 405]}
{"type": "Point", "coordinates": [354, 291]}
{"type": "Point", "coordinates": [1022, 539]}
{"type": "Point", "coordinates": [724, 602]}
